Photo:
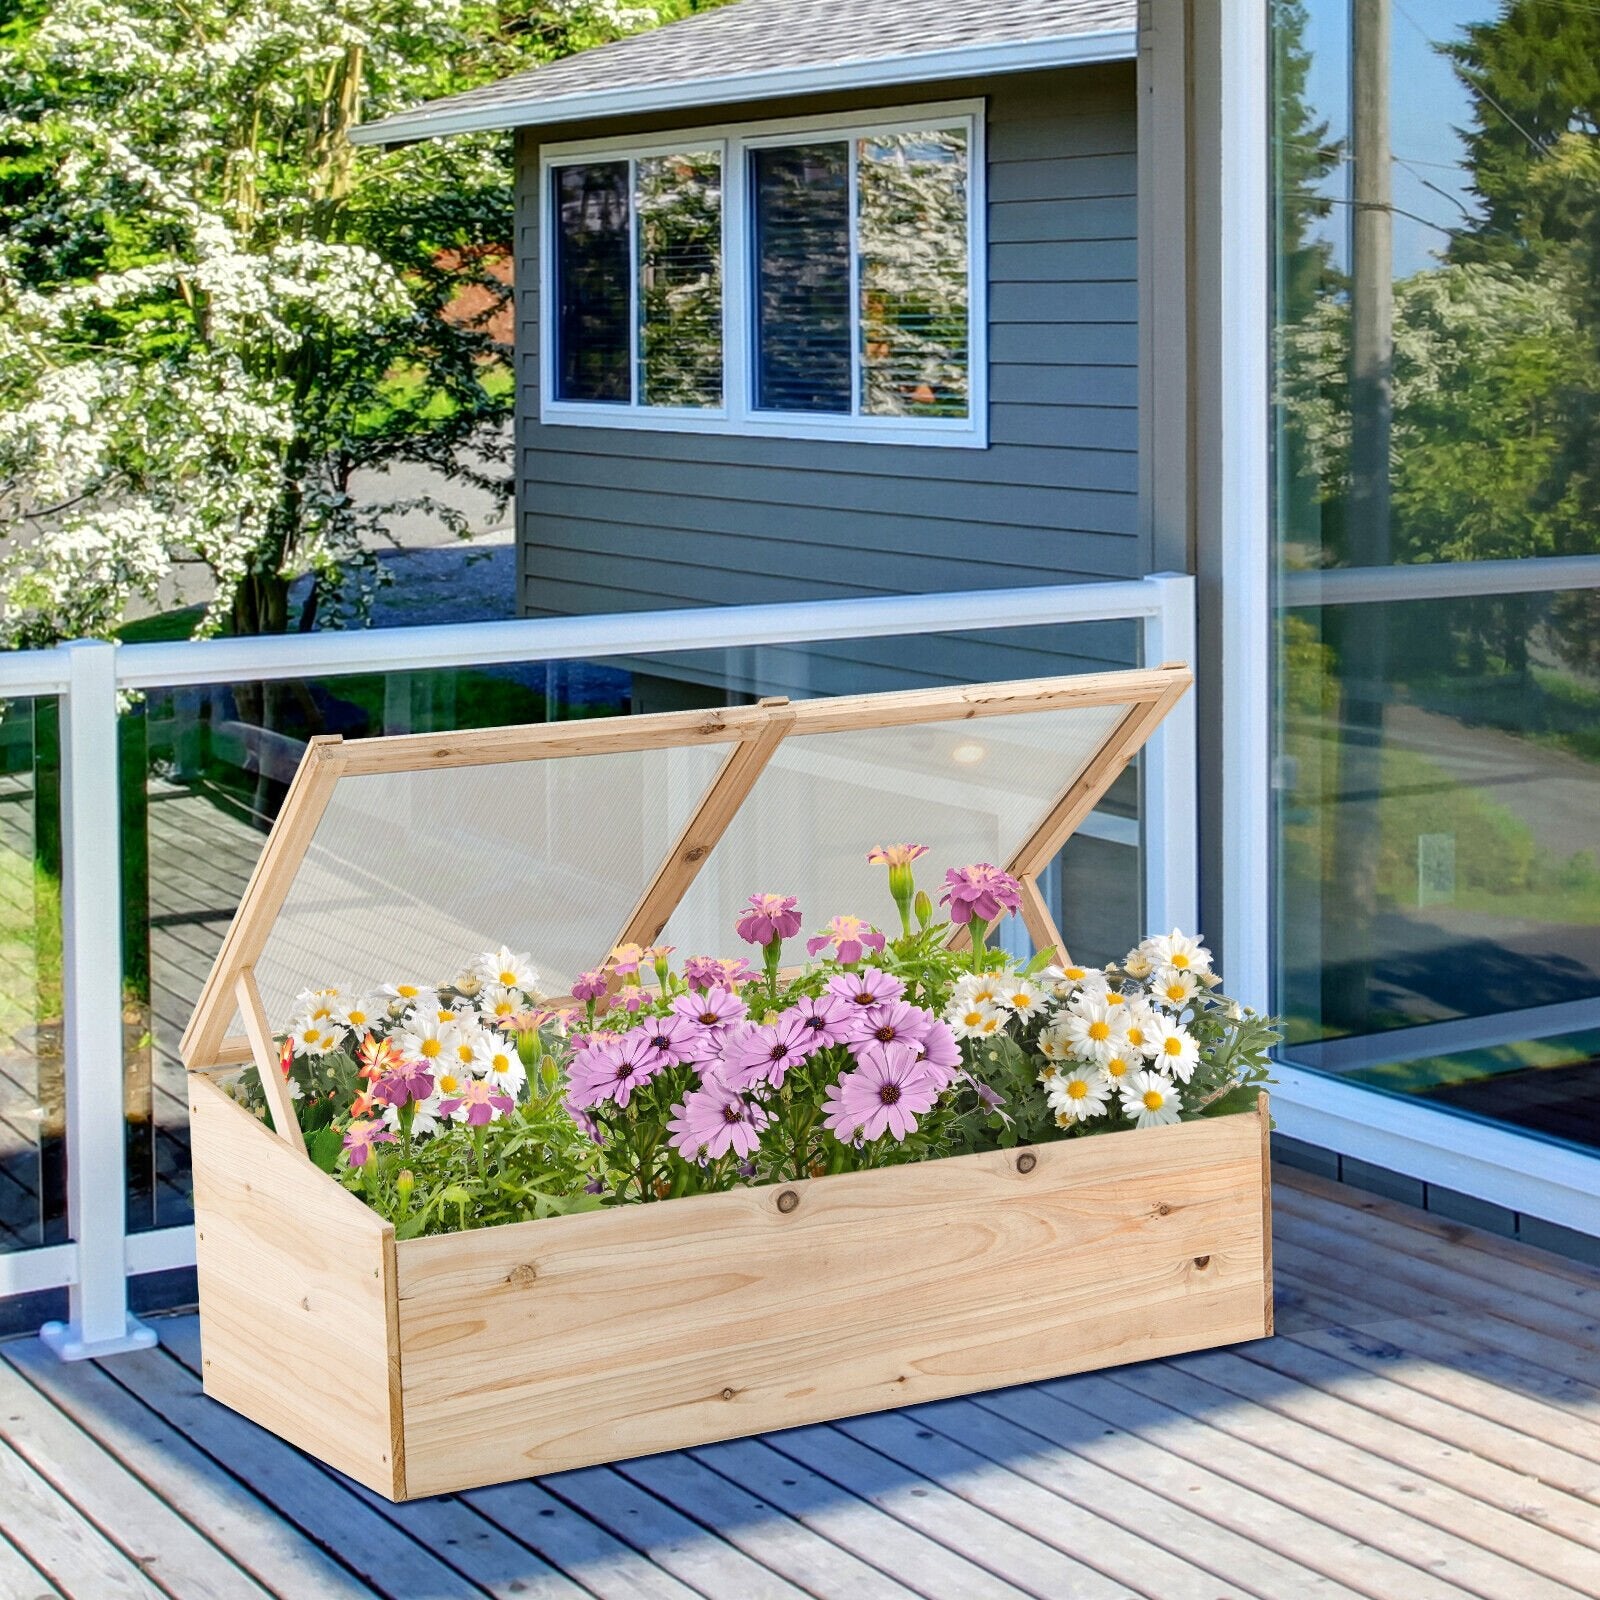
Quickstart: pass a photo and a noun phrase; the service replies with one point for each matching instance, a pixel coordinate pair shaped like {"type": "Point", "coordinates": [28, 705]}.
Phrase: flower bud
{"type": "Point", "coordinates": [923, 907]}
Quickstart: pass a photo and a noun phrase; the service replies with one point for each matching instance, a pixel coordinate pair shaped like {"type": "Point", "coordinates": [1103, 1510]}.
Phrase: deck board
{"type": "Point", "coordinates": [1426, 1426]}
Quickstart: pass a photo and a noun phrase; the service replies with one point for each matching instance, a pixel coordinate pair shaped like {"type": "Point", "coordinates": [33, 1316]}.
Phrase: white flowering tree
{"type": "Point", "coordinates": [214, 310]}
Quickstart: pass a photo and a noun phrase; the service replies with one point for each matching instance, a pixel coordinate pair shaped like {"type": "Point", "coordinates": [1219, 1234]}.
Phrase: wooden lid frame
{"type": "Point", "coordinates": [753, 733]}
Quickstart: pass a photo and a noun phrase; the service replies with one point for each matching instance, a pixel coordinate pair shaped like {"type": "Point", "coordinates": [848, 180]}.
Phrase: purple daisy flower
{"type": "Point", "coordinates": [754, 1054]}
{"type": "Point", "coordinates": [885, 1094]}
{"type": "Point", "coordinates": [823, 1019]}
{"type": "Point", "coordinates": [893, 1022]}
{"type": "Point", "coordinates": [613, 1070]}
{"type": "Point", "coordinates": [669, 1036]}
{"type": "Point", "coordinates": [871, 986]}
{"type": "Point", "coordinates": [711, 1008]}
{"type": "Point", "coordinates": [941, 1055]}
{"type": "Point", "coordinates": [714, 1119]}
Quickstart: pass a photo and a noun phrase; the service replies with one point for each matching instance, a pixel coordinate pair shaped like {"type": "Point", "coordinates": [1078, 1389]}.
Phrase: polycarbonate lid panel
{"type": "Point", "coordinates": [971, 789]}
{"type": "Point", "coordinates": [410, 875]}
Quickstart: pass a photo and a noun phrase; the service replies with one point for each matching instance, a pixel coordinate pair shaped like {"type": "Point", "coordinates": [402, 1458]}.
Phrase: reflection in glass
{"type": "Point", "coordinates": [912, 209]}
{"type": "Point", "coordinates": [593, 271]}
{"type": "Point", "coordinates": [678, 202]}
{"type": "Point", "coordinates": [802, 277]}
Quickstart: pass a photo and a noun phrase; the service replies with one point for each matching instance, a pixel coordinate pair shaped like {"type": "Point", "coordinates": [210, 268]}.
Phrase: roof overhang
{"type": "Point", "coordinates": [774, 83]}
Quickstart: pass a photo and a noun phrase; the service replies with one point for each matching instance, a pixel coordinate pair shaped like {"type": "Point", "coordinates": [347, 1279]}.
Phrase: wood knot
{"type": "Point", "coordinates": [729, 1394]}
{"type": "Point", "coordinates": [305, 1303]}
{"type": "Point", "coordinates": [787, 1201]}
{"type": "Point", "coordinates": [1163, 1209]}
{"type": "Point", "coordinates": [1202, 1262]}
{"type": "Point", "coordinates": [523, 1274]}
{"type": "Point", "coordinates": [1027, 1161]}
{"type": "Point", "coordinates": [694, 853]}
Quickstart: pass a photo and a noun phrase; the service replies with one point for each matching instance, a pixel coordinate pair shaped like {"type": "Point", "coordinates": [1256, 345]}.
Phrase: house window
{"type": "Point", "coordinates": [815, 279]}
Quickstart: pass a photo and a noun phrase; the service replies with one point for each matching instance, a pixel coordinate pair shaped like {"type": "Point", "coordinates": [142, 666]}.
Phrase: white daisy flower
{"type": "Point", "coordinates": [469, 983]}
{"type": "Point", "coordinates": [1121, 1068]}
{"type": "Point", "coordinates": [1053, 1043]}
{"type": "Point", "coordinates": [1173, 987]}
{"type": "Point", "coordinates": [507, 969]}
{"type": "Point", "coordinates": [404, 997]}
{"type": "Point", "coordinates": [1139, 1027]}
{"type": "Point", "coordinates": [358, 1014]}
{"type": "Point", "coordinates": [986, 988]}
{"type": "Point", "coordinates": [1065, 978]}
{"type": "Point", "coordinates": [1094, 1032]}
{"type": "Point", "coordinates": [1022, 997]}
{"type": "Point", "coordinates": [1176, 949]}
{"type": "Point", "coordinates": [314, 1038]}
{"type": "Point", "coordinates": [424, 1118]}
{"type": "Point", "coordinates": [974, 1019]}
{"type": "Point", "coordinates": [427, 1040]}
{"type": "Point", "coordinates": [1137, 965]}
{"type": "Point", "coordinates": [462, 1051]}
{"type": "Point", "coordinates": [1079, 1094]}
{"type": "Point", "coordinates": [1176, 1050]}
{"type": "Point", "coordinates": [1150, 1100]}
{"type": "Point", "coordinates": [496, 1001]}
{"type": "Point", "coordinates": [497, 1061]}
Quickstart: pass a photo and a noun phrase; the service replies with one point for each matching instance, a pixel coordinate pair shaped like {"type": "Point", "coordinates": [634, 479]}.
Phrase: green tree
{"type": "Point", "coordinates": [215, 310]}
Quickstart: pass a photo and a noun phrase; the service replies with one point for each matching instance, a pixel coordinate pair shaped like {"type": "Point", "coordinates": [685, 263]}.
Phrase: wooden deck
{"type": "Point", "coordinates": [1426, 1425]}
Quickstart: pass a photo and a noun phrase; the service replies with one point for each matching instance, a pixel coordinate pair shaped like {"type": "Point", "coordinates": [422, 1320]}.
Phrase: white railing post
{"type": "Point", "coordinates": [1171, 794]}
{"type": "Point", "coordinates": [91, 923]}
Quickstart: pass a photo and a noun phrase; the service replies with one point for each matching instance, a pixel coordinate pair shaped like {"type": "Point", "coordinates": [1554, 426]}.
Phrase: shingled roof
{"type": "Point", "coordinates": [756, 49]}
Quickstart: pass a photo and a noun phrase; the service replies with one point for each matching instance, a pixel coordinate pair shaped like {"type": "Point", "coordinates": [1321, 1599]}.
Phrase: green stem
{"type": "Point", "coordinates": [976, 929]}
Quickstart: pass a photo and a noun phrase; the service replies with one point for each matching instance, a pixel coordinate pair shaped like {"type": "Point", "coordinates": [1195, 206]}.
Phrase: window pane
{"type": "Point", "coordinates": [678, 199]}
{"type": "Point", "coordinates": [802, 208]}
{"type": "Point", "coordinates": [912, 205]}
{"type": "Point", "coordinates": [593, 269]}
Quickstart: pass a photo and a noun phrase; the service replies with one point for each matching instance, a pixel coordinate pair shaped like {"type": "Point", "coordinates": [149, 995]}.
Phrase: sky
{"type": "Point", "coordinates": [1427, 105]}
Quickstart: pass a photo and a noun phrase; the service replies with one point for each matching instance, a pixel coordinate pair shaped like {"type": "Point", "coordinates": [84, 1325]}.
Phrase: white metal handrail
{"type": "Point", "coordinates": [88, 676]}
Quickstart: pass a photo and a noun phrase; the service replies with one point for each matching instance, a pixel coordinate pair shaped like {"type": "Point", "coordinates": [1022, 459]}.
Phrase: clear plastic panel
{"type": "Point", "coordinates": [969, 789]}
{"type": "Point", "coordinates": [411, 874]}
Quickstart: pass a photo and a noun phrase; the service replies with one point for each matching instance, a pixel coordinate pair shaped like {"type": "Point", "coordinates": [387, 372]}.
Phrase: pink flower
{"type": "Point", "coordinates": [612, 1070]}
{"type": "Point", "coordinates": [759, 1054]}
{"type": "Point", "coordinates": [870, 986]}
{"type": "Point", "coordinates": [669, 1036]}
{"type": "Point", "coordinates": [711, 1008]}
{"type": "Point", "coordinates": [703, 972]}
{"type": "Point", "coordinates": [584, 1120]}
{"type": "Point", "coordinates": [823, 1020]}
{"type": "Point", "coordinates": [895, 855]}
{"type": "Point", "coordinates": [885, 1094]}
{"type": "Point", "coordinates": [409, 1081]}
{"type": "Point", "coordinates": [771, 919]}
{"type": "Point", "coordinates": [941, 1055]}
{"type": "Point", "coordinates": [625, 959]}
{"type": "Point", "coordinates": [482, 1102]}
{"type": "Point", "coordinates": [980, 893]}
{"type": "Point", "coordinates": [360, 1137]}
{"type": "Point", "coordinates": [591, 985]}
{"type": "Point", "coordinates": [893, 1022]}
{"type": "Point", "coordinates": [714, 1119]}
{"type": "Point", "coordinates": [850, 937]}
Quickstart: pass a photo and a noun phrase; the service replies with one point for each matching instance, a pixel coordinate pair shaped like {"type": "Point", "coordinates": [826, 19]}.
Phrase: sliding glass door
{"type": "Point", "coordinates": [1436, 539]}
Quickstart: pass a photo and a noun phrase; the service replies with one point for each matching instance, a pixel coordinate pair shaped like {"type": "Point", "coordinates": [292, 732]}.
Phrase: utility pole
{"type": "Point", "coordinates": [1360, 631]}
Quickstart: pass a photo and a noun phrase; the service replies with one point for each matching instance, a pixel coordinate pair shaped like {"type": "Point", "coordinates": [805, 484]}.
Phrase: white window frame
{"type": "Point", "coordinates": [738, 414]}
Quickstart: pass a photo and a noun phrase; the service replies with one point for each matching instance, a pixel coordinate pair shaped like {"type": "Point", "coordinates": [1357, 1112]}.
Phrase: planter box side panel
{"type": "Point", "coordinates": [550, 1345]}
{"type": "Point", "coordinates": [297, 1321]}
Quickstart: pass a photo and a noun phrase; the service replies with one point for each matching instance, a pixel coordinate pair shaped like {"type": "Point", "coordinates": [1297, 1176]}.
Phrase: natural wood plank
{"type": "Point", "coordinates": [60, 1541]}
{"type": "Point", "coordinates": [309, 1497]}
{"type": "Point", "coordinates": [1074, 1254]}
{"type": "Point", "coordinates": [1121, 1492]}
{"type": "Point", "coordinates": [296, 1295]}
{"type": "Point", "coordinates": [203, 1493]}
{"type": "Point", "coordinates": [263, 898]}
{"type": "Point", "coordinates": [867, 1531]}
{"type": "Point", "coordinates": [729, 790]}
{"type": "Point", "coordinates": [263, 1050]}
{"type": "Point", "coordinates": [778, 1541]}
{"type": "Point", "coordinates": [1037, 919]}
{"type": "Point", "coordinates": [75, 1466]}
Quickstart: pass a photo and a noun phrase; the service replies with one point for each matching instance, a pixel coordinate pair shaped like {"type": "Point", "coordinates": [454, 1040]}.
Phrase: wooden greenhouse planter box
{"type": "Point", "coordinates": [425, 1366]}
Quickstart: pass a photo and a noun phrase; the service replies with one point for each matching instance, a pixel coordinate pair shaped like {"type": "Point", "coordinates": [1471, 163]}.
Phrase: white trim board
{"type": "Point", "coordinates": [738, 415]}
{"type": "Point", "coordinates": [1518, 1170]}
{"type": "Point", "coordinates": [527, 109]}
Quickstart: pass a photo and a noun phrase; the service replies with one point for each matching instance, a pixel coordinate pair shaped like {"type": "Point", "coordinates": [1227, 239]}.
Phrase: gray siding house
{"type": "Point", "coordinates": [728, 430]}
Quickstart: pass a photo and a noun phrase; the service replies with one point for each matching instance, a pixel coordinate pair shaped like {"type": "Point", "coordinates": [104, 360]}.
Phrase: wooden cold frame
{"type": "Point", "coordinates": [753, 734]}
